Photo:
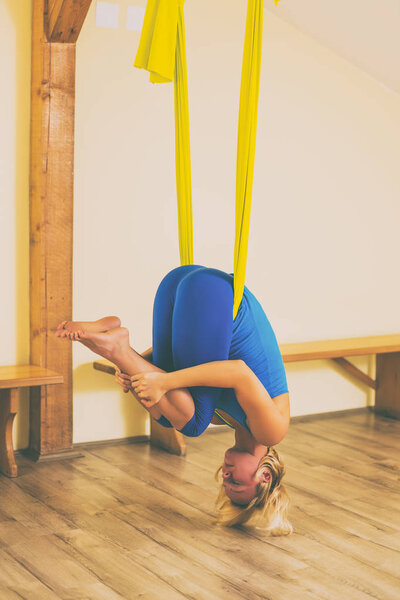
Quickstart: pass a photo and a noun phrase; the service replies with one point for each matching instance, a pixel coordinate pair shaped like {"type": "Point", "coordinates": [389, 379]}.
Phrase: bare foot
{"type": "Point", "coordinates": [68, 329]}
{"type": "Point", "coordinates": [108, 344]}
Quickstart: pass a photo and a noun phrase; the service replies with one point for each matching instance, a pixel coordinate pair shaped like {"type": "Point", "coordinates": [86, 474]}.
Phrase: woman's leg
{"type": "Point", "coordinates": [204, 316]}
{"type": "Point", "coordinates": [114, 346]}
{"type": "Point", "coordinates": [192, 324]}
{"type": "Point", "coordinates": [201, 332]}
{"type": "Point", "coordinates": [177, 405]}
{"type": "Point", "coordinates": [163, 309]}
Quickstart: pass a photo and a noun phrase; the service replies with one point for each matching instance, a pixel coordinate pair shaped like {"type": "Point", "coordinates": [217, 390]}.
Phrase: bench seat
{"type": "Point", "coordinates": [12, 378]}
{"type": "Point", "coordinates": [360, 346]}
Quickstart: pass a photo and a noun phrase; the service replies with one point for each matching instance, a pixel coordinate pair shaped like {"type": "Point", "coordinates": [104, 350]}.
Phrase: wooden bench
{"type": "Point", "coordinates": [387, 351]}
{"type": "Point", "coordinates": [386, 385]}
{"type": "Point", "coordinates": [12, 378]}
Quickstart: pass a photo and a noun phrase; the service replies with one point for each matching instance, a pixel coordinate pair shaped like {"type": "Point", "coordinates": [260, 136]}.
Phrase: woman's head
{"type": "Point", "coordinates": [251, 491]}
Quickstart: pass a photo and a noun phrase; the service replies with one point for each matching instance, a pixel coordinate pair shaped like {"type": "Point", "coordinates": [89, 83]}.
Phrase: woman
{"type": "Point", "coordinates": [206, 367]}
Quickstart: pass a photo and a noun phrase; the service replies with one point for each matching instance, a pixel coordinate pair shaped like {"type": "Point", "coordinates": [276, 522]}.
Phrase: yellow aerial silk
{"type": "Point", "coordinates": [162, 52]}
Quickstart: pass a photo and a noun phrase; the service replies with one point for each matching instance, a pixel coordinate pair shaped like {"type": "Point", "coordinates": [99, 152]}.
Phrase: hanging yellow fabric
{"type": "Point", "coordinates": [162, 52]}
{"type": "Point", "coordinates": [246, 142]}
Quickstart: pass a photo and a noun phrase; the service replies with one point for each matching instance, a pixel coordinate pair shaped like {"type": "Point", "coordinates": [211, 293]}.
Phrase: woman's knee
{"type": "Point", "coordinates": [203, 320]}
{"type": "Point", "coordinates": [208, 284]}
{"type": "Point", "coordinates": [171, 280]}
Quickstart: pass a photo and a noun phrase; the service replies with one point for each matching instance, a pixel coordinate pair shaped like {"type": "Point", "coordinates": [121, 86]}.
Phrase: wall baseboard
{"type": "Point", "coordinates": [134, 439]}
{"type": "Point", "coordinates": [332, 414]}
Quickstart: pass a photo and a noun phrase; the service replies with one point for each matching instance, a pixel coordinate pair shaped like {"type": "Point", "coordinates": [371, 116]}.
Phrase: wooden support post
{"type": "Point", "coordinates": [51, 207]}
{"type": "Point", "coordinates": [168, 439]}
{"type": "Point", "coordinates": [387, 401]}
{"type": "Point", "coordinates": [8, 410]}
{"type": "Point", "coordinates": [65, 19]}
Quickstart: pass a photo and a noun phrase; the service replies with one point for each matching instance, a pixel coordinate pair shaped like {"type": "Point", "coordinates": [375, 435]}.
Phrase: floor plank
{"type": "Point", "coordinates": [131, 521]}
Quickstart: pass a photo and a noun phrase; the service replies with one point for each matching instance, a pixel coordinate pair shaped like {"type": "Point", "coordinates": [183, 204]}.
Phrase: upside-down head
{"type": "Point", "coordinates": [252, 492]}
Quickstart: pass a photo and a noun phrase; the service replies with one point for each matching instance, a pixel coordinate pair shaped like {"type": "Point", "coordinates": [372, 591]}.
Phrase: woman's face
{"type": "Point", "coordinates": [239, 475]}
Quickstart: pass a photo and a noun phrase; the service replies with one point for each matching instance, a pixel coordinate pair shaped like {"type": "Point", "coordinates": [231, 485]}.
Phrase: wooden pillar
{"type": "Point", "coordinates": [51, 212]}
{"type": "Point", "coordinates": [387, 400]}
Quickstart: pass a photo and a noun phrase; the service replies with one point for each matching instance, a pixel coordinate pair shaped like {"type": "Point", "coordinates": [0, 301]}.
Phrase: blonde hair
{"type": "Point", "coordinates": [268, 509]}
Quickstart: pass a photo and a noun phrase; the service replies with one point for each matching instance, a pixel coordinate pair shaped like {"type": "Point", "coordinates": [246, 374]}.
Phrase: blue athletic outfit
{"type": "Point", "coordinates": [193, 324]}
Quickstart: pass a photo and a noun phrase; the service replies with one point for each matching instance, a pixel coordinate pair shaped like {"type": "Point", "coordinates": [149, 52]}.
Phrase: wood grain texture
{"type": "Point", "coordinates": [51, 211]}
{"type": "Point", "coordinates": [27, 375]}
{"type": "Point", "coordinates": [130, 521]}
{"type": "Point", "coordinates": [65, 19]}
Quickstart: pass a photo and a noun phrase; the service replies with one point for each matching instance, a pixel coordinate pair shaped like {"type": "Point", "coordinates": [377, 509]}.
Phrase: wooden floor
{"type": "Point", "coordinates": [129, 521]}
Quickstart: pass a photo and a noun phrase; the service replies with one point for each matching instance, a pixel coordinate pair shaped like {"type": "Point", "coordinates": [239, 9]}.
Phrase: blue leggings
{"type": "Point", "coordinates": [192, 324]}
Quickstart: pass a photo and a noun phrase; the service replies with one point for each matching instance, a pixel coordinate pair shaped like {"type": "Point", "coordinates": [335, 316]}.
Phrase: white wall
{"type": "Point", "coordinates": [15, 48]}
{"type": "Point", "coordinates": [324, 230]}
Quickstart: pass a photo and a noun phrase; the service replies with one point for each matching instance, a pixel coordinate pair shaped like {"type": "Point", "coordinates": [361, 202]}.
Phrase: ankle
{"type": "Point", "coordinates": [118, 354]}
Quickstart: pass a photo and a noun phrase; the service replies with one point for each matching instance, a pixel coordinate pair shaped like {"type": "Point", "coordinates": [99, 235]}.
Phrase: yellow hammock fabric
{"type": "Point", "coordinates": [162, 52]}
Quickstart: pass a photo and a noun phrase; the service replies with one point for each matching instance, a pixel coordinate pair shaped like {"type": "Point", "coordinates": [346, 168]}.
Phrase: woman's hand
{"type": "Point", "coordinates": [150, 387]}
{"type": "Point", "coordinates": [123, 380]}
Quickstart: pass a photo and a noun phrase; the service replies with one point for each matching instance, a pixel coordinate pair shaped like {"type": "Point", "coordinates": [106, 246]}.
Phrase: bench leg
{"type": "Point", "coordinates": [387, 399]}
{"type": "Point", "coordinates": [8, 410]}
{"type": "Point", "coordinates": [168, 439]}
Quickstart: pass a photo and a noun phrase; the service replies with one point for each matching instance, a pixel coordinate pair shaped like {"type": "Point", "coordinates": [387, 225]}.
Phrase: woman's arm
{"type": "Point", "coordinates": [268, 420]}
{"type": "Point", "coordinates": [220, 373]}
{"type": "Point", "coordinates": [151, 386]}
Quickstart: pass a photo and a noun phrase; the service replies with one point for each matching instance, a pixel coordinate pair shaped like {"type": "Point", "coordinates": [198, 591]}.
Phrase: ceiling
{"type": "Point", "coordinates": [364, 32]}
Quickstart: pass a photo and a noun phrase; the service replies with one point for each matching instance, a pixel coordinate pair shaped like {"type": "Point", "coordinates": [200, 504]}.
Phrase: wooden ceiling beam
{"type": "Point", "coordinates": [65, 19]}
